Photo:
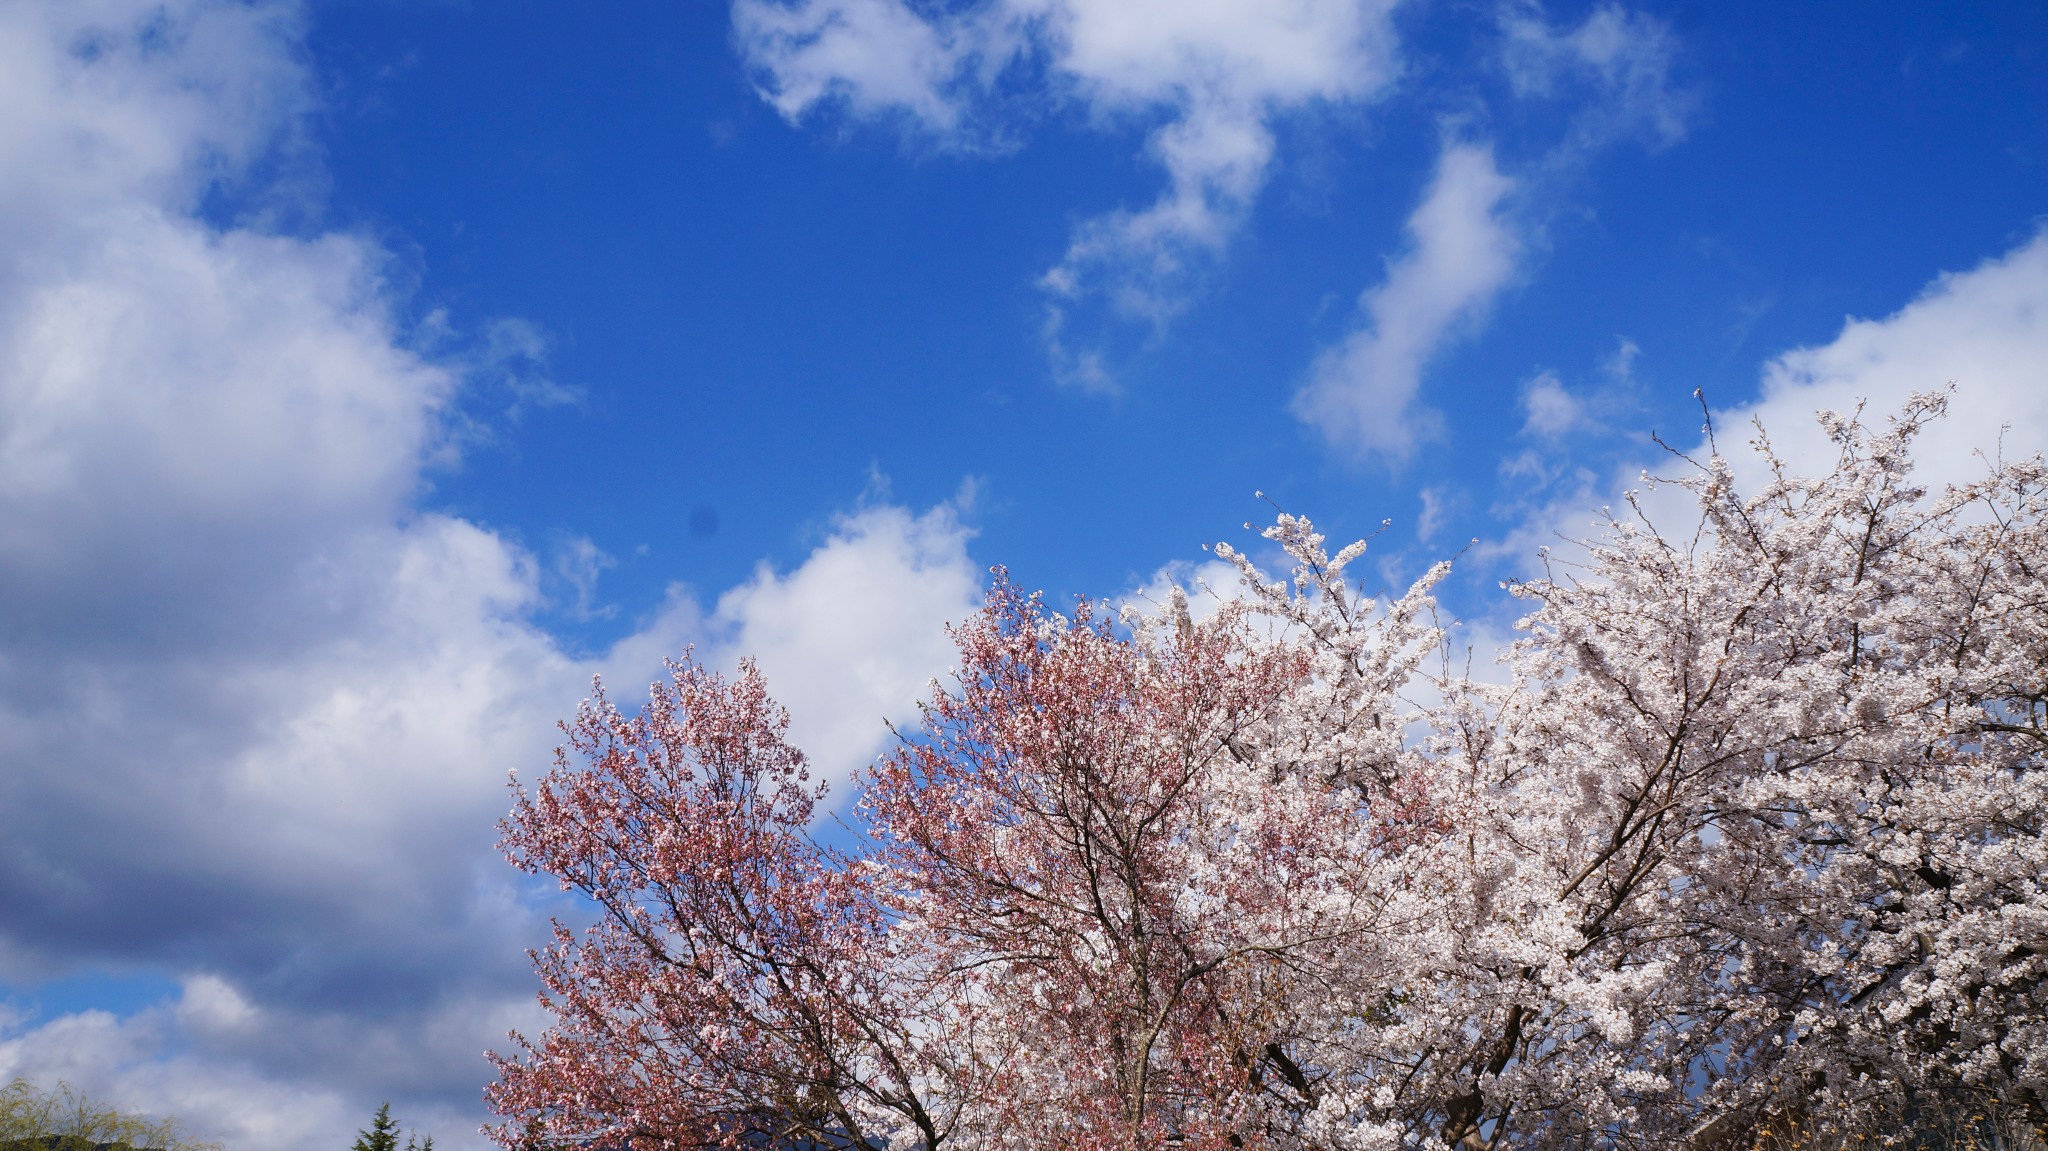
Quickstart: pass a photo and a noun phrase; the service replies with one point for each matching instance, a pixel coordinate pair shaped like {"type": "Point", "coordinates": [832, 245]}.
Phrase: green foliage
{"type": "Point", "coordinates": [69, 1120]}
{"type": "Point", "coordinates": [382, 1135]}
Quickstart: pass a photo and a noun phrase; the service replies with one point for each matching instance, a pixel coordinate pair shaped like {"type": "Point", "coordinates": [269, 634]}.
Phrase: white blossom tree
{"type": "Point", "coordinates": [1750, 838]}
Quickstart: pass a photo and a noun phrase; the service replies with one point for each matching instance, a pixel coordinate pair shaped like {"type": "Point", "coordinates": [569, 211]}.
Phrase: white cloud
{"type": "Point", "coordinates": [236, 1097]}
{"type": "Point", "coordinates": [1361, 393]}
{"type": "Point", "coordinates": [1985, 330]}
{"type": "Point", "coordinates": [1222, 69]}
{"type": "Point", "coordinates": [256, 704]}
{"type": "Point", "coordinates": [878, 56]}
{"type": "Point", "coordinates": [1214, 76]}
{"type": "Point", "coordinates": [853, 635]}
{"type": "Point", "coordinates": [1218, 71]}
{"type": "Point", "coordinates": [115, 121]}
{"type": "Point", "coordinates": [1552, 410]}
{"type": "Point", "coordinates": [1464, 249]}
{"type": "Point", "coordinates": [1429, 519]}
{"type": "Point", "coordinates": [1549, 409]}
{"type": "Point", "coordinates": [580, 564]}
{"type": "Point", "coordinates": [259, 706]}
{"type": "Point", "coordinates": [1624, 59]}
{"type": "Point", "coordinates": [1208, 585]}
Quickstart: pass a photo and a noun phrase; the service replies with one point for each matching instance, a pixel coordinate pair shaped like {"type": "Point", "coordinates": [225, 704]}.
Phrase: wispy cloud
{"type": "Point", "coordinates": [1553, 410]}
{"type": "Point", "coordinates": [1217, 73]}
{"type": "Point", "coordinates": [1215, 77]}
{"type": "Point", "coordinates": [877, 57]}
{"type": "Point", "coordinates": [1475, 223]}
{"type": "Point", "coordinates": [1361, 394]}
{"type": "Point", "coordinates": [580, 564]}
{"type": "Point", "coordinates": [1548, 409]}
{"type": "Point", "coordinates": [1615, 65]}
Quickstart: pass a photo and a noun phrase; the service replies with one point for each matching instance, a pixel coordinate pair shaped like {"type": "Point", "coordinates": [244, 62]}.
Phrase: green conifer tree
{"type": "Point", "coordinates": [382, 1135]}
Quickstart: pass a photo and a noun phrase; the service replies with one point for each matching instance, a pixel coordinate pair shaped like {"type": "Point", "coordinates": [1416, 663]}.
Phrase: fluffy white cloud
{"type": "Point", "coordinates": [1217, 71]}
{"type": "Point", "coordinates": [1984, 330]}
{"type": "Point", "coordinates": [233, 1090]}
{"type": "Point", "coordinates": [115, 120]}
{"type": "Point", "coordinates": [1549, 409]}
{"type": "Point", "coordinates": [255, 708]}
{"type": "Point", "coordinates": [854, 635]}
{"type": "Point", "coordinates": [1361, 393]}
{"type": "Point", "coordinates": [256, 704]}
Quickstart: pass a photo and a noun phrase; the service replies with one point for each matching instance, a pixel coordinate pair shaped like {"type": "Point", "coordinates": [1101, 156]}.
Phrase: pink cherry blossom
{"type": "Point", "coordinates": [1752, 833]}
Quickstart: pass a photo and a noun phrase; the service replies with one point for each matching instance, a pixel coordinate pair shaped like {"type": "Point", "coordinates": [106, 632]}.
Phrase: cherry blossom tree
{"type": "Point", "coordinates": [1108, 840]}
{"type": "Point", "coordinates": [733, 988]}
{"type": "Point", "coordinates": [1765, 800]}
{"type": "Point", "coordinates": [1749, 833]}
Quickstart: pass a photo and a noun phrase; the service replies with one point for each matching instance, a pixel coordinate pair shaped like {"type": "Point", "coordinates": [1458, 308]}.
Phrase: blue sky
{"type": "Point", "coordinates": [798, 306]}
{"type": "Point", "coordinates": [373, 373]}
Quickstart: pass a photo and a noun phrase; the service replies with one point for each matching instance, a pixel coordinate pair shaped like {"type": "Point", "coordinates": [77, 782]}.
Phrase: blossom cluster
{"type": "Point", "coordinates": [1751, 832]}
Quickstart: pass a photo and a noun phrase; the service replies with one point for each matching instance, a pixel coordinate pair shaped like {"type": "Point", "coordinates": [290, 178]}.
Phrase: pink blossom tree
{"type": "Point", "coordinates": [1109, 844]}
{"type": "Point", "coordinates": [734, 988]}
{"type": "Point", "coordinates": [1751, 833]}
